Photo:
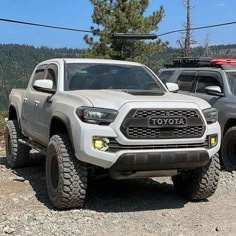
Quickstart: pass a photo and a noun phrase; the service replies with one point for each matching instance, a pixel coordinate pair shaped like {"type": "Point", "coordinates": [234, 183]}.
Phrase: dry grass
{"type": "Point", "coordinates": [3, 115]}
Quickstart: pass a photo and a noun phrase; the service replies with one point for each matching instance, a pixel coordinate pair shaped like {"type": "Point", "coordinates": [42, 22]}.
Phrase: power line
{"type": "Point", "coordinates": [94, 32]}
{"type": "Point", "coordinates": [197, 28]}
{"type": "Point", "coordinates": [45, 26]}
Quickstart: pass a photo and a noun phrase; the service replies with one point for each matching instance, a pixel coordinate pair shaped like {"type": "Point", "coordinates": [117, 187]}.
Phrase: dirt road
{"type": "Point", "coordinates": [141, 207]}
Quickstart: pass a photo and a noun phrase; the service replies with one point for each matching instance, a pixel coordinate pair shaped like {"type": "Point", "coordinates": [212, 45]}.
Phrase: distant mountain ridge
{"type": "Point", "coordinates": [229, 52]}
{"type": "Point", "coordinates": [224, 50]}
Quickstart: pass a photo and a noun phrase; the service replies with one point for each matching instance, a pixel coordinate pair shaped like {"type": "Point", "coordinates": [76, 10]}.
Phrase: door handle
{"type": "Point", "coordinates": [25, 100]}
{"type": "Point", "coordinates": [36, 102]}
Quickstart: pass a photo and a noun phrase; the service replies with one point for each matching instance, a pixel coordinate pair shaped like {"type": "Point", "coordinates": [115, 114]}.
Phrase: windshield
{"type": "Point", "coordinates": [231, 76]}
{"type": "Point", "coordinates": [81, 76]}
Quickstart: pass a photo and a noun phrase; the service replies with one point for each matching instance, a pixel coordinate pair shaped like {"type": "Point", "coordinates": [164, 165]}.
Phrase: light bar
{"type": "Point", "coordinates": [133, 36]}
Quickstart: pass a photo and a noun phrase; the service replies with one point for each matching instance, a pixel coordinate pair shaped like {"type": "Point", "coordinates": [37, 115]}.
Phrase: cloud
{"type": "Point", "coordinates": [220, 4]}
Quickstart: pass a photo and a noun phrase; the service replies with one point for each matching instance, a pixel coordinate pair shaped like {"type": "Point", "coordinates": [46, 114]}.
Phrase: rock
{"type": "Point", "coordinates": [15, 200]}
{"type": "Point", "coordinates": [217, 228]}
{"type": "Point", "coordinates": [19, 178]}
{"type": "Point", "coordinates": [86, 218]}
{"type": "Point", "coordinates": [164, 214]}
{"type": "Point", "coordinates": [8, 230]}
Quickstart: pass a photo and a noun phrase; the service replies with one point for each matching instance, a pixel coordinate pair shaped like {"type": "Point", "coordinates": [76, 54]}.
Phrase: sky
{"type": "Point", "coordinates": [77, 14]}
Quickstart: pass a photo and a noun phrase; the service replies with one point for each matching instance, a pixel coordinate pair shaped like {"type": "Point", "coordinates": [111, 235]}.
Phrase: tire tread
{"type": "Point", "coordinates": [201, 183]}
{"type": "Point", "coordinates": [20, 152]}
{"type": "Point", "coordinates": [73, 175]}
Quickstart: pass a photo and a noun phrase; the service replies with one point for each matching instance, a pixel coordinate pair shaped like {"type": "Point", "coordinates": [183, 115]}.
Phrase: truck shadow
{"type": "Point", "coordinates": [132, 195]}
{"type": "Point", "coordinates": [107, 195]}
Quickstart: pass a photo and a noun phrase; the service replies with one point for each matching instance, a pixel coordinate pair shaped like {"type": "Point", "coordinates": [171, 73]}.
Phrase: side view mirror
{"type": "Point", "coordinates": [44, 85]}
{"type": "Point", "coordinates": [172, 87]}
{"type": "Point", "coordinates": [214, 90]}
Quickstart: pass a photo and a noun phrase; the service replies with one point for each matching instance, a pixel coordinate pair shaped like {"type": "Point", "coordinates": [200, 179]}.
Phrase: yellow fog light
{"type": "Point", "coordinates": [100, 144]}
{"type": "Point", "coordinates": [213, 141]}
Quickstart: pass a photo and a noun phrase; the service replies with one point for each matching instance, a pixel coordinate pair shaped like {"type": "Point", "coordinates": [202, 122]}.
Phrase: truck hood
{"type": "Point", "coordinates": [115, 99]}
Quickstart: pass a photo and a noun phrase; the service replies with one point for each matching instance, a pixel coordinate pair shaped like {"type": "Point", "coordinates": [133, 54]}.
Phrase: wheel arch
{"type": "Point", "coordinates": [60, 124]}
{"type": "Point", "coordinates": [12, 113]}
{"type": "Point", "coordinates": [229, 124]}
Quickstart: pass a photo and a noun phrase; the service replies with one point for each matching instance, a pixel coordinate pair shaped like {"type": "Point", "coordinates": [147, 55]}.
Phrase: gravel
{"type": "Point", "coordinates": [131, 207]}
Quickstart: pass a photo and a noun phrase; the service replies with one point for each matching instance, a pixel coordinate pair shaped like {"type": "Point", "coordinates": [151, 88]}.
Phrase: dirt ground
{"type": "Point", "coordinates": [134, 207]}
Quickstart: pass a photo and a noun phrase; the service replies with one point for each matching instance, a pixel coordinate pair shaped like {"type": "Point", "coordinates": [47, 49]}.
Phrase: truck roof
{"type": "Point", "coordinates": [90, 60]}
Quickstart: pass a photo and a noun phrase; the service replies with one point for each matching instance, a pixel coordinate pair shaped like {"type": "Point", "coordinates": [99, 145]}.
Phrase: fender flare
{"type": "Point", "coordinates": [66, 121]}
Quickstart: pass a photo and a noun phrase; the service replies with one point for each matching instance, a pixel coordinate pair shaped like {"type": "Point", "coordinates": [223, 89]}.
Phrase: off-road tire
{"type": "Point", "coordinates": [228, 149]}
{"type": "Point", "coordinates": [66, 176]}
{"type": "Point", "coordinates": [200, 183]}
{"type": "Point", "coordinates": [17, 154]}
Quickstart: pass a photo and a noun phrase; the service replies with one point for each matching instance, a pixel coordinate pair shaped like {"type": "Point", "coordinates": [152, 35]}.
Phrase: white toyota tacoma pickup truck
{"type": "Point", "coordinates": [89, 115]}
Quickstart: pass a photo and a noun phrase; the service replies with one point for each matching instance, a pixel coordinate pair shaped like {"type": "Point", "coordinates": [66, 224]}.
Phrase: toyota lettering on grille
{"type": "Point", "coordinates": [167, 121]}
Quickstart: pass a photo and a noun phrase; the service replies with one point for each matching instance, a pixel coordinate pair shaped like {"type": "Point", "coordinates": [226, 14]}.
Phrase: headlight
{"type": "Point", "coordinates": [211, 115]}
{"type": "Point", "coordinates": [96, 115]}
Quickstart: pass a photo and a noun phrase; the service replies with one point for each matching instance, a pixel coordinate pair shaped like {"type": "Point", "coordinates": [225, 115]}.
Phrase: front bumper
{"type": "Point", "coordinates": [84, 134]}
{"type": "Point", "coordinates": [85, 152]}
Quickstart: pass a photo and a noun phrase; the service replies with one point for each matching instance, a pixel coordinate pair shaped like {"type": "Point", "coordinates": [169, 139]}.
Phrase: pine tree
{"type": "Point", "coordinates": [123, 16]}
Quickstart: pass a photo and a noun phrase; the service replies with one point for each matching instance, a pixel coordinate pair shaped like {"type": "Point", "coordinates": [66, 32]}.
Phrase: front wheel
{"type": "Point", "coordinates": [66, 176]}
{"type": "Point", "coordinates": [200, 183]}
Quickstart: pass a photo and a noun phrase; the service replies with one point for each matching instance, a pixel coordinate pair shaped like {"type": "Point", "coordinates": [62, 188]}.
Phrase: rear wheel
{"type": "Point", "coordinates": [17, 153]}
{"type": "Point", "coordinates": [66, 176]}
{"type": "Point", "coordinates": [228, 149]}
{"type": "Point", "coordinates": [200, 183]}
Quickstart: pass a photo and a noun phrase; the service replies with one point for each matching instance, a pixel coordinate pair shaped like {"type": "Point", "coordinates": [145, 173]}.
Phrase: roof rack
{"type": "Point", "coordinates": [189, 62]}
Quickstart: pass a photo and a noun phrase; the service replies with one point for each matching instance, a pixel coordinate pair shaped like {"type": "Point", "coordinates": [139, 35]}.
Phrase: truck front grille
{"type": "Point", "coordinates": [163, 124]}
{"type": "Point", "coordinates": [147, 113]}
{"type": "Point", "coordinates": [154, 133]}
